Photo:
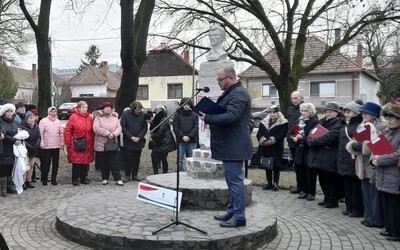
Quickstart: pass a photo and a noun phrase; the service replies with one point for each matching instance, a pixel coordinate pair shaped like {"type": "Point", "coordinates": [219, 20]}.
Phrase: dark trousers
{"type": "Point", "coordinates": [276, 174]}
{"type": "Point", "coordinates": [158, 158]}
{"type": "Point", "coordinates": [50, 156]}
{"type": "Point", "coordinates": [329, 183]}
{"type": "Point", "coordinates": [79, 170]}
{"type": "Point", "coordinates": [131, 161]}
{"type": "Point", "coordinates": [353, 195]}
{"type": "Point", "coordinates": [391, 212]}
{"type": "Point", "coordinates": [296, 169]}
{"type": "Point", "coordinates": [301, 177]}
{"type": "Point", "coordinates": [3, 244]}
{"type": "Point", "coordinates": [373, 207]}
{"type": "Point", "coordinates": [108, 162]}
{"type": "Point", "coordinates": [311, 180]}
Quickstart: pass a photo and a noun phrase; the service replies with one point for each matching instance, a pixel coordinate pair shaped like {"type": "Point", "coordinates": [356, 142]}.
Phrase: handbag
{"type": "Point", "coordinates": [151, 144]}
{"type": "Point", "coordinates": [80, 144]}
{"type": "Point", "coordinates": [111, 146]}
{"type": "Point", "coordinates": [267, 163]}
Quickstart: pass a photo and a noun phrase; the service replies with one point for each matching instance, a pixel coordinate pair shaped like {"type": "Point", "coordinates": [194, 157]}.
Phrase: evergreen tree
{"type": "Point", "coordinates": [8, 88]}
{"type": "Point", "coordinates": [91, 55]}
{"type": "Point", "coordinates": [389, 89]}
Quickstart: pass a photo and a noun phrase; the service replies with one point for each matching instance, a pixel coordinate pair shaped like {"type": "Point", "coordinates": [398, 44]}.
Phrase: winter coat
{"type": "Point", "coordinates": [133, 125]}
{"type": "Point", "coordinates": [324, 150]}
{"type": "Point", "coordinates": [51, 133]}
{"type": "Point", "coordinates": [230, 132]}
{"type": "Point", "coordinates": [186, 123]}
{"type": "Point", "coordinates": [293, 114]}
{"type": "Point", "coordinates": [19, 118]}
{"type": "Point", "coordinates": [345, 163]}
{"type": "Point", "coordinates": [32, 143]}
{"type": "Point", "coordinates": [364, 169]}
{"type": "Point", "coordinates": [11, 129]}
{"type": "Point", "coordinates": [275, 132]}
{"type": "Point", "coordinates": [103, 126]}
{"type": "Point", "coordinates": [388, 173]}
{"type": "Point", "coordinates": [2, 131]}
{"type": "Point", "coordinates": [301, 146]}
{"type": "Point", "coordinates": [78, 126]}
{"type": "Point", "coordinates": [163, 139]}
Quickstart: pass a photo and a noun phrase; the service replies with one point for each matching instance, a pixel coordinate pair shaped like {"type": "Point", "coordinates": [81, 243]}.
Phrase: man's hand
{"type": "Point", "coordinates": [202, 115]}
{"type": "Point", "coordinates": [1, 136]}
{"type": "Point", "coordinates": [375, 160]}
{"type": "Point", "coordinates": [135, 139]}
{"type": "Point", "coordinates": [186, 138]}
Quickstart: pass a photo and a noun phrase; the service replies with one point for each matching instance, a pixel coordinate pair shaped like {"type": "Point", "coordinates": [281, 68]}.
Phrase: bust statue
{"type": "Point", "coordinates": [217, 37]}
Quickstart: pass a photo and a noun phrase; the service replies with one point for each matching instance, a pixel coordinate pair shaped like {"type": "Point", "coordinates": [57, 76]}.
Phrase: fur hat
{"type": "Point", "coordinates": [28, 114]}
{"type": "Point", "coordinates": [354, 107]}
{"type": "Point", "coordinates": [332, 106]}
{"type": "Point", "coordinates": [50, 109]}
{"type": "Point", "coordinates": [106, 104]}
{"type": "Point", "coordinates": [6, 107]}
{"type": "Point", "coordinates": [392, 109]}
{"type": "Point", "coordinates": [273, 108]}
{"type": "Point", "coordinates": [372, 109]}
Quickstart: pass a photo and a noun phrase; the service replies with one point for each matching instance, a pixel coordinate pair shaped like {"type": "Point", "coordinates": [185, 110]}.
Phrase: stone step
{"type": "Point", "coordinates": [202, 154]}
{"type": "Point", "coordinates": [204, 168]}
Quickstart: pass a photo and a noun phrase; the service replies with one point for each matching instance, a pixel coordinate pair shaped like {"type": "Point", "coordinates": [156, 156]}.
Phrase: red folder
{"type": "Point", "coordinates": [381, 146]}
{"type": "Point", "coordinates": [398, 164]}
{"type": "Point", "coordinates": [296, 129]}
{"type": "Point", "coordinates": [362, 134]}
{"type": "Point", "coordinates": [318, 131]}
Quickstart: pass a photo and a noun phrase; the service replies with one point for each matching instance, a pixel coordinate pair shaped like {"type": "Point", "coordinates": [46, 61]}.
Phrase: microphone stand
{"type": "Point", "coordinates": [177, 221]}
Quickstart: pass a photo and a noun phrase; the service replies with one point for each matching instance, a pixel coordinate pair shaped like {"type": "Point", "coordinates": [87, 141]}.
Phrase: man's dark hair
{"type": "Point", "coordinates": [135, 105]}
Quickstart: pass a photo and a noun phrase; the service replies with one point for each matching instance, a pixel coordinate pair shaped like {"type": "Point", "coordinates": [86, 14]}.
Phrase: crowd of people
{"type": "Point", "coordinates": [101, 137]}
{"type": "Point", "coordinates": [346, 168]}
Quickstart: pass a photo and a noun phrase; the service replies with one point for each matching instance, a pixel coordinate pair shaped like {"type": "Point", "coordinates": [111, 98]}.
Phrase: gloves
{"type": "Point", "coordinates": [262, 140]}
{"type": "Point", "coordinates": [357, 146]}
{"type": "Point", "coordinates": [266, 143]}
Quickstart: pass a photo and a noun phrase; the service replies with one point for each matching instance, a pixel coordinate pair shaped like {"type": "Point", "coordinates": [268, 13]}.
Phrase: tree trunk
{"type": "Point", "coordinates": [44, 77]}
{"type": "Point", "coordinates": [126, 93]}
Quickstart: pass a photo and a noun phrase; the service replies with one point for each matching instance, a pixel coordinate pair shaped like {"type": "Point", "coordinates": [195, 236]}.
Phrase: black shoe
{"type": "Point", "coordinates": [267, 187]}
{"type": "Point", "coordinates": [29, 185]}
{"type": "Point", "coordinates": [302, 195]}
{"type": "Point", "coordinates": [88, 180]}
{"type": "Point", "coordinates": [223, 217]}
{"type": "Point", "coordinates": [233, 223]}
{"type": "Point", "coordinates": [321, 203]}
{"type": "Point", "coordinates": [363, 222]}
{"type": "Point", "coordinates": [384, 233]}
{"type": "Point", "coordinates": [34, 180]}
{"type": "Point", "coordinates": [295, 191]}
{"type": "Point", "coordinates": [393, 238]}
{"type": "Point", "coordinates": [310, 197]}
{"type": "Point", "coordinates": [330, 205]}
{"type": "Point", "coordinates": [45, 183]}
{"type": "Point", "coordinates": [355, 215]}
{"type": "Point", "coordinates": [24, 187]}
{"type": "Point", "coordinates": [348, 213]}
{"type": "Point", "coordinates": [75, 183]}
{"type": "Point", "coordinates": [10, 191]}
{"type": "Point", "coordinates": [54, 183]}
{"type": "Point", "coordinates": [85, 182]}
{"type": "Point", "coordinates": [275, 188]}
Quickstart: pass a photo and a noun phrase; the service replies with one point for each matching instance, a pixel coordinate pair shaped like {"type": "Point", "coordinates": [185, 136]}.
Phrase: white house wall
{"type": "Point", "coordinates": [24, 94]}
{"type": "Point", "coordinates": [95, 90]}
{"type": "Point", "coordinates": [368, 89]}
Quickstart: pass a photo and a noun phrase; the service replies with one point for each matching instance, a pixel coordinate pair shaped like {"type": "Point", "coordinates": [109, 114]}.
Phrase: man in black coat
{"type": "Point", "coordinates": [134, 128]}
{"type": "Point", "coordinates": [231, 142]}
{"type": "Point", "coordinates": [293, 113]}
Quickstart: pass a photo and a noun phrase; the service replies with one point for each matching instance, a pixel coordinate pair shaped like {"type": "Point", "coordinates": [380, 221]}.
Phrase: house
{"type": "Point", "coordinates": [95, 82]}
{"type": "Point", "coordinates": [65, 74]}
{"type": "Point", "coordinates": [338, 79]}
{"type": "Point", "coordinates": [165, 77]}
{"type": "Point", "coordinates": [27, 84]}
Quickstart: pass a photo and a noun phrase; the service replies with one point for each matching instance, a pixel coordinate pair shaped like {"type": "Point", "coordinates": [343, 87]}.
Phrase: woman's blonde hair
{"type": "Point", "coordinates": [82, 103]}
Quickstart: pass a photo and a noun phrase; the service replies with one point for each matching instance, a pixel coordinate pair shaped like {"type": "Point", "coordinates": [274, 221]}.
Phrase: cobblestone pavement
{"type": "Point", "coordinates": [27, 221]}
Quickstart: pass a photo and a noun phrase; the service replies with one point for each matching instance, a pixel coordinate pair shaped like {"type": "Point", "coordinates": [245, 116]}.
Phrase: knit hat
{"type": "Point", "coordinates": [392, 109]}
{"type": "Point", "coordinates": [29, 114]}
{"type": "Point", "coordinates": [50, 109]}
{"type": "Point", "coordinates": [372, 109]}
{"type": "Point", "coordinates": [106, 104]}
{"type": "Point", "coordinates": [273, 108]}
{"type": "Point", "coordinates": [354, 107]}
{"type": "Point", "coordinates": [6, 107]}
{"type": "Point", "coordinates": [332, 106]}
{"type": "Point", "coordinates": [34, 111]}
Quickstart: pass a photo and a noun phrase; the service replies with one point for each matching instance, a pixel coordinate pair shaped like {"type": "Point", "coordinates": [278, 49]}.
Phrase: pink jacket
{"type": "Point", "coordinates": [103, 126]}
{"type": "Point", "coordinates": [51, 132]}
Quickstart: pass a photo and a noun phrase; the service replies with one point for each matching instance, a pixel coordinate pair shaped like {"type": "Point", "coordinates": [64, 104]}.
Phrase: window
{"type": "Point", "coordinates": [174, 91]}
{"type": "Point", "coordinates": [142, 92]}
{"type": "Point", "coordinates": [86, 95]}
{"type": "Point", "coordinates": [269, 90]}
{"type": "Point", "coordinates": [322, 89]}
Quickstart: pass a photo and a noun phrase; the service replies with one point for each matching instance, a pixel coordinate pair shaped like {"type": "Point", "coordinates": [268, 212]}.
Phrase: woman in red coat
{"type": "Point", "coordinates": [80, 125]}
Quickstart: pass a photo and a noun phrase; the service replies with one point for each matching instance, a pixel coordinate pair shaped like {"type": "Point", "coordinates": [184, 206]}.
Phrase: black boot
{"type": "Point", "coordinates": [3, 186]}
{"type": "Point", "coordinates": [29, 185]}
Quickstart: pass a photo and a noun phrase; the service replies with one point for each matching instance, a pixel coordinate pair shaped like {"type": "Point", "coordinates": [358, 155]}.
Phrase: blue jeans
{"type": "Point", "coordinates": [237, 197]}
{"type": "Point", "coordinates": [185, 147]}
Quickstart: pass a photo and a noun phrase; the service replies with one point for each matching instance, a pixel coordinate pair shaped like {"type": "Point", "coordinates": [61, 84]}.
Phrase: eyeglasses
{"type": "Point", "coordinates": [221, 79]}
{"type": "Point", "coordinates": [389, 118]}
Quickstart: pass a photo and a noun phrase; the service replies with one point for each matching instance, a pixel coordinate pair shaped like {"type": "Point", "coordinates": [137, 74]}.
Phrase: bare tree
{"type": "Point", "coordinates": [254, 26]}
{"type": "Point", "coordinates": [41, 30]}
{"type": "Point", "coordinates": [15, 32]}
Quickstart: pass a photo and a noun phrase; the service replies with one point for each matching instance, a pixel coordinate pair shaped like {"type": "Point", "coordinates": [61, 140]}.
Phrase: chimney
{"type": "Point", "coordinates": [359, 55]}
{"type": "Point", "coordinates": [34, 70]}
{"type": "Point", "coordinates": [186, 56]}
{"type": "Point", "coordinates": [105, 68]}
{"type": "Point", "coordinates": [337, 37]}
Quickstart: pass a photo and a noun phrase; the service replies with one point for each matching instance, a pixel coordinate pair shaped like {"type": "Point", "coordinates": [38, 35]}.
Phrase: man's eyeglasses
{"type": "Point", "coordinates": [221, 79]}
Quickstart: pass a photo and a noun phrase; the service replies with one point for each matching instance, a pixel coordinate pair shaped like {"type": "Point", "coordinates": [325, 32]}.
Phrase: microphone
{"type": "Point", "coordinates": [205, 89]}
